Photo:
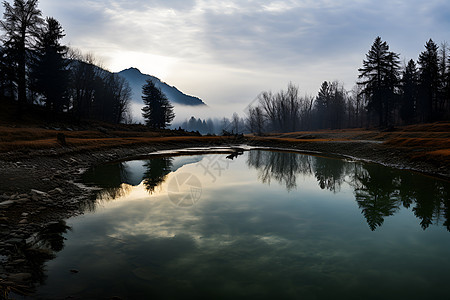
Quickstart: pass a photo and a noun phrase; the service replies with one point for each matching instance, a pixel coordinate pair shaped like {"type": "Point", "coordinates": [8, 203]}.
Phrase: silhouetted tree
{"type": "Point", "coordinates": [380, 71]}
{"type": "Point", "coordinates": [445, 77]}
{"type": "Point", "coordinates": [355, 108]}
{"type": "Point", "coordinates": [429, 81]}
{"type": "Point", "coordinates": [83, 74]}
{"type": "Point", "coordinates": [409, 88]}
{"type": "Point", "coordinates": [321, 105]}
{"type": "Point", "coordinates": [235, 120]}
{"type": "Point", "coordinates": [158, 112]}
{"type": "Point", "coordinates": [7, 74]}
{"type": "Point", "coordinates": [21, 24]}
{"type": "Point", "coordinates": [284, 110]}
{"type": "Point", "coordinates": [50, 67]}
{"type": "Point", "coordinates": [256, 120]}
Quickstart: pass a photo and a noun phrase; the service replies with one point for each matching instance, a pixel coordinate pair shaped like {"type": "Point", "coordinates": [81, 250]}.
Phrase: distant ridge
{"type": "Point", "coordinates": [137, 80]}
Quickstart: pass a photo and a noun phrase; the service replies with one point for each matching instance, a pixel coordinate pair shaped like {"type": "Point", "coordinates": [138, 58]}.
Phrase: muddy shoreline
{"type": "Point", "coordinates": [40, 189]}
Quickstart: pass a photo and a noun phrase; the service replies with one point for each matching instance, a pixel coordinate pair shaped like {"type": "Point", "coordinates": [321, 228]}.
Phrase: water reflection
{"type": "Point", "coordinates": [311, 241]}
{"type": "Point", "coordinates": [117, 180]}
{"type": "Point", "coordinates": [379, 191]}
{"type": "Point", "coordinates": [283, 167]}
{"type": "Point", "coordinates": [156, 172]}
{"type": "Point", "coordinates": [28, 259]}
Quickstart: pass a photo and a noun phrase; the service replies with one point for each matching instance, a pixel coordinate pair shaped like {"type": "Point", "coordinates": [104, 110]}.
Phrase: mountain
{"type": "Point", "coordinates": [136, 80]}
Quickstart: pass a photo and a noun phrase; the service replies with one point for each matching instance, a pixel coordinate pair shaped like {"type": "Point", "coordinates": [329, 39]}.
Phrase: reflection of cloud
{"type": "Point", "coordinates": [246, 236]}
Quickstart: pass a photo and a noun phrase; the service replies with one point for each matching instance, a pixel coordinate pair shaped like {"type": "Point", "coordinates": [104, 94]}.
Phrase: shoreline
{"type": "Point", "coordinates": [39, 191]}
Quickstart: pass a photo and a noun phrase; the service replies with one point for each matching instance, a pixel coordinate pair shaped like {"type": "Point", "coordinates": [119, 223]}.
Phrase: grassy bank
{"type": "Point", "coordinates": [424, 143]}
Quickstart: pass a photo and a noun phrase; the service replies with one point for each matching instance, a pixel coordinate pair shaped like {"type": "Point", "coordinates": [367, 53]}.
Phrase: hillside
{"type": "Point", "coordinates": [137, 80]}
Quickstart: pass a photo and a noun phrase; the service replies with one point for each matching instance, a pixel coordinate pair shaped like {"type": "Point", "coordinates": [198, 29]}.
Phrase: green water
{"type": "Point", "coordinates": [265, 225]}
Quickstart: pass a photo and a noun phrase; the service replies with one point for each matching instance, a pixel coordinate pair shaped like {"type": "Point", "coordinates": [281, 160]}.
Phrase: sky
{"type": "Point", "coordinates": [228, 51]}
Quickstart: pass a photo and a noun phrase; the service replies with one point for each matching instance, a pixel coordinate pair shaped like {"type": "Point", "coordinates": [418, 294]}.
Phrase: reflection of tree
{"type": "Point", "coordinates": [30, 257]}
{"type": "Point", "coordinates": [431, 198]}
{"type": "Point", "coordinates": [376, 196]}
{"type": "Point", "coordinates": [111, 178]}
{"type": "Point", "coordinates": [379, 191]}
{"type": "Point", "coordinates": [51, 237]}
{"type": "Point", "coordinates": [329, 173]}
{"type": "Point", "coordinates": [279, 166]}
{"type": "Point", "coordinates": [157, 170]}
{"type": "Point", "coordinates": [107, 176]}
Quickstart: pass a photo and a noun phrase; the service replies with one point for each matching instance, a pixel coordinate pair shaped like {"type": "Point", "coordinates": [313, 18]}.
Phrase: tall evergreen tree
{"type": "Point", "coordinates": [50, 67]}
{"type": "Point", "coordinates": [21, 23]}
{"type": "Point", "coordinates": [429, 81]}
{"type": "Point", "coordinates": [380, 71]}
{"type": "Point", "coordinates": [409, 87]}
{"type": "Point", "coordinates": [158, 111]}
{"type": "Point", "coordinates": [321, 105]}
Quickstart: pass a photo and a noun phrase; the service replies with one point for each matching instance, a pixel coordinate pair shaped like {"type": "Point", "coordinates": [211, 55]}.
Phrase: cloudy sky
{"type": "Point", "coordinates": [228, 51]}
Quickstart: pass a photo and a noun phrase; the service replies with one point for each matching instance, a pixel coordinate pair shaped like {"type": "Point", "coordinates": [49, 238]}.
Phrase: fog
{"type": "Point", "coordinates": [185, 112]}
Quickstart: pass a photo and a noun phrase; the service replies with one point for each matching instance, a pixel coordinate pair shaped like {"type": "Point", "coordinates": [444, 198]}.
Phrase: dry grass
{"type": "Point", "coordinates": [429, 142]}
{"type": "Point", "coordinates": [78, 143]}
{"type": "Point", "coordinates": [420, 143]}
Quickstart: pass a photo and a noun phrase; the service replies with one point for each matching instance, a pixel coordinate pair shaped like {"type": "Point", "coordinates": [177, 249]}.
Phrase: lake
{"type": "Point", "coordinates": [255, 225]}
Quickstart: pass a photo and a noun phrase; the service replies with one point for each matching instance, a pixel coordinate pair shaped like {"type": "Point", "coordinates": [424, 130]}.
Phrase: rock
{"type": "Point", "coordinates": [25, 214]}
{"type": "Point", "coordinates": [39, 193]}
{"type": "Point", "coordinates": [22, 200]}
{"type": "Point", "coordinates": [23, 196]}
{"type": "Point", "coordinates": [18, 262]}
{"type": "Point", "coordinates": [19, 277]}
{"type": "Point", "coordinates": [56, 191]}
{"type": "Point", "coordinates": [23, 221]}
{"type": "Point", "coordinates": [6, 203]}
{"type": "Point", "coordinates": [48, 201]}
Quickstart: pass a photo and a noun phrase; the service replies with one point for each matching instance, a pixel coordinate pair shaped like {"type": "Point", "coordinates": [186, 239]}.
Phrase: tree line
{"type": "Point", "coordinates": [36, 68]}
{"type": "Point", "coordinates": [385, 95]}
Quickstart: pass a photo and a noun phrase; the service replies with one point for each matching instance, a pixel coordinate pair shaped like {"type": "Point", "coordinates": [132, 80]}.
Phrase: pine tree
{"type": "Point", "coordinates": [21, 23]}
{"type": "Point", "coordinates": [50, 67]}
{"type": "Point", "coordinates": [429, 81]}
{"type": "Point", "coordinates": [158, 111]}
{"type": "Point", "coordinates": [321, 105]}
{"type": "Point", "coordinates": [380, 71]}
{"type": "Point", "coordinates": [409, 87]}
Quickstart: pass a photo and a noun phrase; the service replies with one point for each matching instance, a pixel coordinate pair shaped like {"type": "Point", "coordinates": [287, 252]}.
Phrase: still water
{"type": "Point", "coordinates": [264, 224]}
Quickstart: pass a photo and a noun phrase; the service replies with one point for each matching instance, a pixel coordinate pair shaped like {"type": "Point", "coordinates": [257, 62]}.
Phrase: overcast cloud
{"type": "Point", "coordinates": [230, 50]}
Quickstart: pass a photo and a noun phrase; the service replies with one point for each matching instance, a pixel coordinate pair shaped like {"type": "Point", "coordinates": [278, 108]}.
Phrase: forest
{"type": "Point", "coordinates": [386, 95]}
{"type": "Point", "coordinates": [36, 69]}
